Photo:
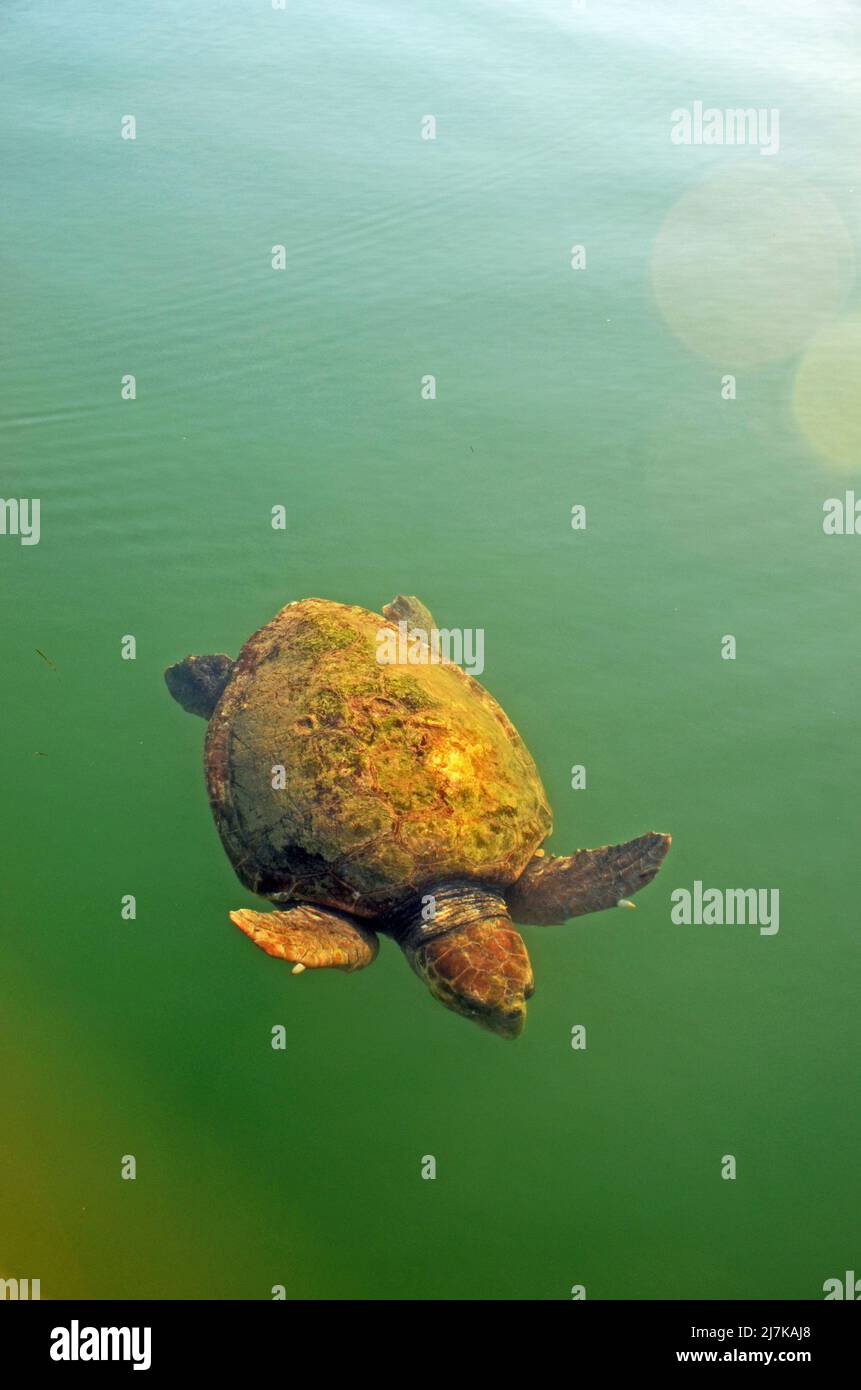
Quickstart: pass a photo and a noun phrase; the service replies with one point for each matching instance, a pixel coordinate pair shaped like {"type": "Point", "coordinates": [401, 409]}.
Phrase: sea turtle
{"type": "Point", "coordinates": [363, 797]}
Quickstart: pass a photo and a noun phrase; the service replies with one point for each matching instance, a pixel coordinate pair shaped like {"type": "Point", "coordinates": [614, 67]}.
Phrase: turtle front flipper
{"type": "Point", "coordinates": [551, 890]}
{"type": "Point", "coordinates": [313, 938]}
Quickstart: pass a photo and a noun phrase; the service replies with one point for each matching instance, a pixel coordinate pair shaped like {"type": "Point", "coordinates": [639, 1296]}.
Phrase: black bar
{"type": "Point", "coordinates": [242, 1338]}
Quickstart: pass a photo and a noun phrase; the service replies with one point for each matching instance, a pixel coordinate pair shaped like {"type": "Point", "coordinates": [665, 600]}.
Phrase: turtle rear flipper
{"type": "Point", "coordinates": [312, 937]}
{"type": "Point", "coordinates": [551, 890]}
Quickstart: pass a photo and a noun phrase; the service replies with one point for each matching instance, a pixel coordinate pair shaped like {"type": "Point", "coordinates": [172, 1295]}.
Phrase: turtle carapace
{"type": "Point", "coordinates": [362, 798]}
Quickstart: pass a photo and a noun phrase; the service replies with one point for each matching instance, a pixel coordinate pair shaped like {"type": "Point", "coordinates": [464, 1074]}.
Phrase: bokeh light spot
{"type": "Point", "coordinates": [749, 265]}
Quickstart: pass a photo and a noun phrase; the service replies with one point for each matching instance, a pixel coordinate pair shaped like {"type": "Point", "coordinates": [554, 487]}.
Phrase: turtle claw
{"type": "Point", "coordinates": [313, 938]}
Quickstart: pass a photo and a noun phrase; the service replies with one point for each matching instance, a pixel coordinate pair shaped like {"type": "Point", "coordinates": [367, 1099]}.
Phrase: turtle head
{"type": "Point", "coordinates": [480, 968]}
{"type": "Point", "coordinates": [197, 682]}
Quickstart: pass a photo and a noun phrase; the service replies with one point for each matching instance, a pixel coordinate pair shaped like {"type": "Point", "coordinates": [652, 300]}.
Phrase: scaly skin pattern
{"type": "Point", "coordinates": [481, 971]}
{"type": "Point", "coordinates": [397, 776]}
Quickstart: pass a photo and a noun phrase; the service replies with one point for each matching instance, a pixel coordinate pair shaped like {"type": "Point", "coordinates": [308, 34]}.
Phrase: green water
{"type": "Point", "coordinates": [256, 388]}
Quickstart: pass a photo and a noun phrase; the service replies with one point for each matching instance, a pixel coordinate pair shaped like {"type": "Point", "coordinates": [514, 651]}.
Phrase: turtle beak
{"type": "Point", "coordinates": [480, 971]}
{"type": "Point", "coordinates": [508, 1023]}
